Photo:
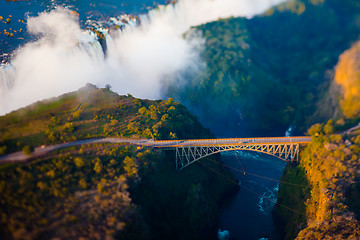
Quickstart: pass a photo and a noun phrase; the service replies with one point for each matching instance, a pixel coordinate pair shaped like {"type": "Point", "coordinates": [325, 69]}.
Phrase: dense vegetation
{"type": "Point", "coordinates": [86, 195]}
{"type": "Point", "coordinates": [112, 192]}
{"type": "Point", "coordinates": [293, 196]}
{"type": "Point", "coordinates": [93, 112]}
{"type": "Point", "coordinates": [266, 73]}
{"type": "Point", "coordinates": [331, 164]}
{"type": "Point", "coordinates": [347, 75]}
{"type": "Point", "coordinates": [262, 74]}
{"type": "Point", "coordinates": [105, 191]}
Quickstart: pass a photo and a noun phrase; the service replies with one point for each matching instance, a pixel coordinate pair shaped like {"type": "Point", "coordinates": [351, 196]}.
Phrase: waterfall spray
{"type": "Point", "coordinates": [137, 54]}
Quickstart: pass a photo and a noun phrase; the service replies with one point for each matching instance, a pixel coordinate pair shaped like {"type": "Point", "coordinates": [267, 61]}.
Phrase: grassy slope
{"type": "Point", "coordinates": [92, 112]}
{"type": "Point", "coordinates": [105, 191]}
{"type": "Point", "coordinates": [270, 71]}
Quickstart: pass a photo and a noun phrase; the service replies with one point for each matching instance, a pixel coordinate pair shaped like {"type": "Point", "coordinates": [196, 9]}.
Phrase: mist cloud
{"type": "Point", "coordinates": [65, 58]}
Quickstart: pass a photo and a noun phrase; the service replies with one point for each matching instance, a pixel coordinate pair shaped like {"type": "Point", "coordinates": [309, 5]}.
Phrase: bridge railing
{"type": "Point", "coordinates": [229, 141]}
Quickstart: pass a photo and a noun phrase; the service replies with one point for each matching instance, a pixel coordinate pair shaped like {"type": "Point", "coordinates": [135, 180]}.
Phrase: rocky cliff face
{"type": "Point", "coordinates": [330, 166]}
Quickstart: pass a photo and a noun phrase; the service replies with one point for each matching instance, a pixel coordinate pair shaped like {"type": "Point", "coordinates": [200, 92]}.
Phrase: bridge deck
{"type": "Point", "coordinates": [194, 143]}
{"type": "Point", "coordinates": [228, 141]}
{"type": "Point", "coordinates": [189, 151]}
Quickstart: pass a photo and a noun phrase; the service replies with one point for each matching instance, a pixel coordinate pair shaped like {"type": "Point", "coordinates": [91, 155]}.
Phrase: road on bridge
{"type": "Point", "coordinates": [40, 151]}
{"type": "Point", "coordinates": [229, 141]}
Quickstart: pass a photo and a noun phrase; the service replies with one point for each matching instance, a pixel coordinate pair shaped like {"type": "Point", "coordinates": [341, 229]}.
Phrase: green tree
{"type": "Point", "coordinates": [133, 127]}
{"type": "Point", "coordinates": [100, 188]}
{"type": "Point", "coordinates": [170, 101]}
{"type": "Point", "coordinates": [98, 167]}
{"type": "Point", "coordinates": [165, 117]}
{"type": "Point", "coordinates": [28, 150]}
{"type": "Point", "coordinates": [142, 110]}
{"type": "Point", "coordinates": [69, 127]}
{"type": "Point", "coordinates": [329, 127]}
{"type": "Point", "coordinates": [137, 102]}
{"type": "Point", "coordinates": [82, 183]}
{"type": "Point", "coordinates": [3, 150]}
{"type": "Point", "coordinates": [79, 162]}
{"type": "Point", "coordinates": [52, 135]}
{"type": "Point", "coordinates": [172, 135]}
{"type": "Point", "coordinates": [315, 129]}
{"type": "Point", "coordinates": [76, 115]}
{"type": "Point", "coordinates": [42, 185]}
{"type": "Point", "coordinates": [130, 166]}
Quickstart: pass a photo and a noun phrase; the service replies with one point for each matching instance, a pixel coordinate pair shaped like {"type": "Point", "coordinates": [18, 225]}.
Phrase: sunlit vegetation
{"type": "Point", "coordinates": [93, 112]}
{"type": "Point", "coordinates": [3, 150]}
{"type": "Point", "coordinates": [28, 150]}
{"type": "Point", "coordinates": [105, 191]}
{"type": "Point", "coordinates": [331, 165]}
{"type": "Point", "coordinates": [270, 71]}
{"type": "Point", "coordinates": [347, 75]}
{"type": "Point", "coordinates": [85, 193]}
{"type": "Point", "coordinates": [326, 206]}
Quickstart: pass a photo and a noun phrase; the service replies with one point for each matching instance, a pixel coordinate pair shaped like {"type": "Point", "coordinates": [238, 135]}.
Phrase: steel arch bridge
{"type": "Point", "coordinates": [190, 151]}
{"type": "Point", "coordinates": [188, 155]}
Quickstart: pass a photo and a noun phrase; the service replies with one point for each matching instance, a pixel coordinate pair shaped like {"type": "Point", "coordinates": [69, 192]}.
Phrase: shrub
{"type": "Point", "coordinates": [315, 129]}
{"type": "Point", "coordinates": [3, 150]}
{"type": "Point", "coordinates": [78, 162]}
{"type": "Point", "coordinates": [142, 110]}
{"type": "Point", "coordinates": [130, 166]}
{"type": "Point", "coordinates": [329, 127]}
{"type": "Point", "coordinates": [28, 150]}
{"type": "Point", "coordinates": [69, 127]}
{"type": "Point", "coordinates": [98, 167]}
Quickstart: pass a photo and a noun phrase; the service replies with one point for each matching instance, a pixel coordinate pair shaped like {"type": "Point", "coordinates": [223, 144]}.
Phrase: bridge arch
{"type": "Point", "coordinates": [186, 155]}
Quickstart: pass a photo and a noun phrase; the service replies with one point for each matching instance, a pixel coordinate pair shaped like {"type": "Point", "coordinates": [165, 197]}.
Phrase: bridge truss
{"type": "Point", "coordinates": [186, 155]}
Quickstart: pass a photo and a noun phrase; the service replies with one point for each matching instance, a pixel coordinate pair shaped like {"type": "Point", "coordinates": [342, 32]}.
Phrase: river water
{"type": "Point", "coordinates": [246, 215]}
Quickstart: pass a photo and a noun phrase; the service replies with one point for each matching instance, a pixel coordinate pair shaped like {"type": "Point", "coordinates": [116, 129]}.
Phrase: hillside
{"type": "Point", "coordinates": [331, 164]}
{"type": "Point", "coordinates": [269, 72]}
{"type": "Point", "coordinates": [105, 191]}
{"type": "Point", "coordinates": [92, 112]}
{"type": "Point", "coordinates": [329, 208]}
{"type": "Point", "coordinates": [294, 65]}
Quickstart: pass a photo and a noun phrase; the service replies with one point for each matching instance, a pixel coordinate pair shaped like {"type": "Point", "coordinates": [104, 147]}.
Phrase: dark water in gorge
{"type": "Point", "coordinates": [247, 215]}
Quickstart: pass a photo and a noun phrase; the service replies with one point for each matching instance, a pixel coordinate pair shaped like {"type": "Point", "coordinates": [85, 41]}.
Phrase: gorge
{"type": "Point", "coordinates": [241, 77]}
